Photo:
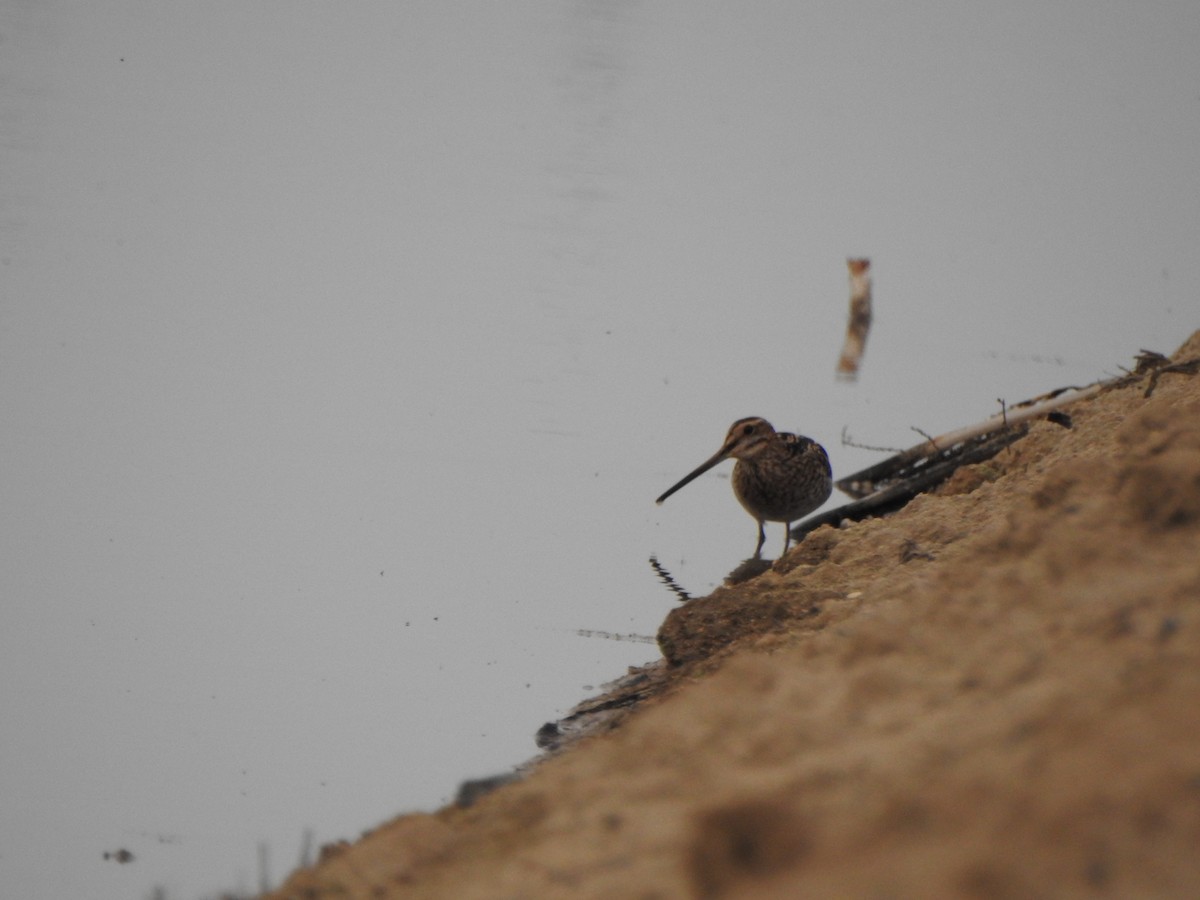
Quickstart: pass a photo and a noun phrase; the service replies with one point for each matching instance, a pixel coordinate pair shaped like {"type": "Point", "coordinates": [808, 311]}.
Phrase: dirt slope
{"type": "Point", "coordinates": [994, 692]}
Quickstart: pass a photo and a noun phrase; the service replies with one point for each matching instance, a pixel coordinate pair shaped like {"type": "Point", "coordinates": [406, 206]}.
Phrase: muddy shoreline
{"type": "Point", "coordinates": [992, 692]}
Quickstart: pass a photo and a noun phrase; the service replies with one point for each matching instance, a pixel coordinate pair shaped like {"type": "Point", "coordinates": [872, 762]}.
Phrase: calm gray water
{"type": "Point", "coordinates": [343, 350]}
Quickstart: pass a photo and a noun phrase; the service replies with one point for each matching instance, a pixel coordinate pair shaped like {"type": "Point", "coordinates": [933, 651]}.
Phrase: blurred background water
{"type": "Point", "coordinates": [344, 347]}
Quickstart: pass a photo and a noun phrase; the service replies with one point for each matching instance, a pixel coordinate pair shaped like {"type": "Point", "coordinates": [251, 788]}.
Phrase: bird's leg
{"type": "Point", "coordinates": [787, 538]}
{"type": "Point", "coordinates": [762, 537]}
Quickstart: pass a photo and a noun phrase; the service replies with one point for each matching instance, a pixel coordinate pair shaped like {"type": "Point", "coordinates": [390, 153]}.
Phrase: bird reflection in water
{"type": "Point", "coordinates": [747, 569]}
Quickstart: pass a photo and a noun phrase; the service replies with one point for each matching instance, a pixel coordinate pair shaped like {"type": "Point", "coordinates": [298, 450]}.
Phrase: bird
{"type": "Point", "coordinates": [778, 477]}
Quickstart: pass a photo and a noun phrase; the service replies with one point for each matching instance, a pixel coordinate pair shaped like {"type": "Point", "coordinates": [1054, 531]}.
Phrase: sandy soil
{"type": "Point", "coordinates": [994, 692]}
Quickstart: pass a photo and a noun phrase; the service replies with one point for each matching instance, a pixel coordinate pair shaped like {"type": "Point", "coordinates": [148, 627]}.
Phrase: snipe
{"type": "Point", "coordinates": [778, 477]}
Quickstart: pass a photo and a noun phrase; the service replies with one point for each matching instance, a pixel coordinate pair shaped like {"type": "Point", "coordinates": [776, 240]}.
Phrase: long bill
{"type": "Point", "coordinates": [718, 457]}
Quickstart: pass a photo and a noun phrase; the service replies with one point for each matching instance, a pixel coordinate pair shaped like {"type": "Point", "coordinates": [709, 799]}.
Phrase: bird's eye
{"type": "Point", "coordinates": [747, 429]}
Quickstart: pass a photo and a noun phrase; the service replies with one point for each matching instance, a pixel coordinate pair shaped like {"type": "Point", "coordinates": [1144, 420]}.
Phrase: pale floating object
{"type": "Point", "coordinates": [860, 319]}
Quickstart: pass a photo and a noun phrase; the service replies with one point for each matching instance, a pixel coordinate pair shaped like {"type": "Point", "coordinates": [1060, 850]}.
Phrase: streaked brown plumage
{"type": "Point", "coordinates": [778, 477]}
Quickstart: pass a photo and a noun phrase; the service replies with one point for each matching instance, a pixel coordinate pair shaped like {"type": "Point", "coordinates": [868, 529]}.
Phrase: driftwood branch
{"type": "Point", "coordinates": [890, 484]}
{"type": "Point", "coordinates": [869, 480]}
